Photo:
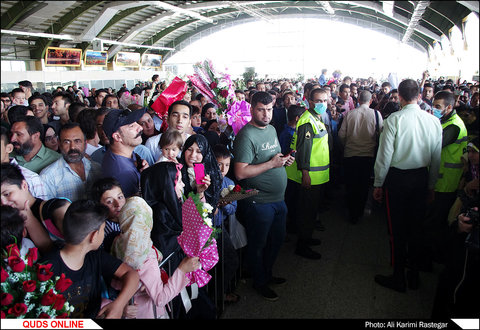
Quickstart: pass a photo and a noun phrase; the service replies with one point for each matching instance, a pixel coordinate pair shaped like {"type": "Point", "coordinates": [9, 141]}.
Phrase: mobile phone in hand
{"type": "Point", "coordinates": [291, 153]}
{"type": "Point", "coordinates": [139, 161]}
{"type": "Point", "coordinates": [199, 170]}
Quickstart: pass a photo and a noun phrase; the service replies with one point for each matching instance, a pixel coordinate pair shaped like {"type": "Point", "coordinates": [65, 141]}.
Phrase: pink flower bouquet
{"type": "Point", "coordinates": [238, 115]}
{"type": "Point", "coordinates": [198, 238]}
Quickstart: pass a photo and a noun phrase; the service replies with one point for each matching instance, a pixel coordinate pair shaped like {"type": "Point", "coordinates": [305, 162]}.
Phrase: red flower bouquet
{"type": "Point", "coordinates": [235, 193]}
{"type": "Point", "coordinates": [28, 288]}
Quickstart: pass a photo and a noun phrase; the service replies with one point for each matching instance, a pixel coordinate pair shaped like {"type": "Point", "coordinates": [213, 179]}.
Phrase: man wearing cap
{"type": "Point", "coordinates": [120, 161]}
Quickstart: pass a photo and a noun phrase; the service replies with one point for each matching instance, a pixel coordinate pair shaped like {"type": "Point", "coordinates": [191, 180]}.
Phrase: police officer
{"type": "Point", "coordinates": [454, 142]}
{"type": "Point", "coordinates": [406, 167]}
{"type": "Point", "coordinates": [310, 170]}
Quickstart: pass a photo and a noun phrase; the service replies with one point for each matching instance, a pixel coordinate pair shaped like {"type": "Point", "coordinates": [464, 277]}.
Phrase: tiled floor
{"type": "Point", "coordinates": [341, 284]}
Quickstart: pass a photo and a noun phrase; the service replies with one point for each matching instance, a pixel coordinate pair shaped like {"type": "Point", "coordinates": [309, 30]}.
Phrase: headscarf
{"type": "Point", "coordinates": [55, 125]}
{"type": "Point", "coordinates": [212, 194]}
{"type": "Point", "coordinates": [158, 189]}
{"type": "Point", "coordinates": [133, 244]}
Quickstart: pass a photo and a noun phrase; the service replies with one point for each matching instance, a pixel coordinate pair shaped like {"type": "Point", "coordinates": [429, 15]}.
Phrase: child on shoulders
{"type": "Point", "coordinates": [171, 143]}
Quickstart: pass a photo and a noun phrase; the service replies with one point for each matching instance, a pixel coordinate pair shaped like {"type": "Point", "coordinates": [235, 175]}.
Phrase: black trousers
{"type": "Point", "coordinates": [357, 183]}
{"type": "Point", "coordinates": [435, 226]}
{"type": "Point", "coordinates": [405, 195]}
{"type": "Point", "coordinates": [308, 205]}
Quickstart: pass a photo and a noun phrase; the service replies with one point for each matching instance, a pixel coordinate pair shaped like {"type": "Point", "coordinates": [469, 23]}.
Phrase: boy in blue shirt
{"type": "Point", "coordinates": [224, 210]}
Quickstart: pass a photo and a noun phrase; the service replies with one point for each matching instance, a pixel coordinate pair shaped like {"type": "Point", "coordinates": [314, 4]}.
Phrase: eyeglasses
{"type": "Point", "coordinates": [51, 137]}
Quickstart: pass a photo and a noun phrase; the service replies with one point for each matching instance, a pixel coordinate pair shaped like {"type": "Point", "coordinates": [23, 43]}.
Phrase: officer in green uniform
{"type": "Point", "coordinates": [454, 142]}
{"type": "Point", "coordinates": [310, 170]}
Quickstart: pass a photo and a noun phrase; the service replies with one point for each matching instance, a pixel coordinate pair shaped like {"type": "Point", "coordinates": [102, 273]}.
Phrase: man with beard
{"type": "Point", "coordinates": [120, 161]}
{"type": "Point", "coordinates": [72, 175]}
{"type": "Point", "coordinates": [29, 151]}
{"type": "Point", "coordinates": [259, 164]}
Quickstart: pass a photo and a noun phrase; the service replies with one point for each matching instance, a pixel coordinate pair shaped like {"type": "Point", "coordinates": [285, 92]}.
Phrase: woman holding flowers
{"type": "Point", "coordinates": [162, 188]}
{"type": "Point", "coordinates": [197, 150]}
{"type": "Point", "coordinates": [135, 247]}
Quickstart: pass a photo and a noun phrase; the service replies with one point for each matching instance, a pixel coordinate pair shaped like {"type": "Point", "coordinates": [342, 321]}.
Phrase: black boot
{"type": "Point", "coordinates": [395, 282]}
{"type": "Point", "coordinates": [412, 279]}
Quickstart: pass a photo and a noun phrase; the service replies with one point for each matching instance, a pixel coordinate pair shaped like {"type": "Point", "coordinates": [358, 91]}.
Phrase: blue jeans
{"type": "Point", "coordinates": [266, 229]}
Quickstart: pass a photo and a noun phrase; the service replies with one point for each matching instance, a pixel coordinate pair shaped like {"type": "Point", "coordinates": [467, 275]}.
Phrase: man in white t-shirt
{"type": "Point", "coordinates": [179, 114]}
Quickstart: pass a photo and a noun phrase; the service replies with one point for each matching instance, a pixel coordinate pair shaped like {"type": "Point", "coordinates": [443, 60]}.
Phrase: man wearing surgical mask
{"type": "Point", "coordinates": [454, 142]}
{"type": "Point", "coordinates": [310, 170]}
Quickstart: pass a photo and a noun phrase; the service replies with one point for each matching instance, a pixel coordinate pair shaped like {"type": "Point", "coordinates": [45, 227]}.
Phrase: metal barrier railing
{"type": "Point", "coordinates": [216, 288]}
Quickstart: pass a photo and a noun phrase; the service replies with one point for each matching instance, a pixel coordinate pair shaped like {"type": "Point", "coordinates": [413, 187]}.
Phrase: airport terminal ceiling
{"type": "Point", "coordinates": [159, 27]}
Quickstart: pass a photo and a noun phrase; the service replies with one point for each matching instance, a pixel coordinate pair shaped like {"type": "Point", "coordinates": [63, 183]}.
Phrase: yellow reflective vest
{"type": "Point", "coordinates": [319, 158]}
{"type": "Point", "coordinates": [451, 166]}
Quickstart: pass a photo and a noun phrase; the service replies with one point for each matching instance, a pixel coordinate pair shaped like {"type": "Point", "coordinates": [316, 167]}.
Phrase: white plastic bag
{"type": "Point", "coordinates": [238, 234]}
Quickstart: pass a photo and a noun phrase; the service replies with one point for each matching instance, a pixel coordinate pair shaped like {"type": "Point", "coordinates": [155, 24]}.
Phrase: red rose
{"type": "Point", "coordinates": [44, 273]}
{"type": "Point", "coordinates": [4, 275]}
{"type": "Point", "coordinates": [59, 302]}
{"type": "Point", "coordinates": [18, 309]}
{"type": "Point", "coordinates": [224, 93]}
{"type": "Point", "coordinates": [32, 256]}
{"type": "Point", "coordinates": [213, 85]}
{"type": "Point", "coordinates": [29, 286]}
{"type": "Point", "coordinates": [2, 315]}
{"type": "Point", "coordinates": [7, 299]}
{"type": "Point", "coordinates": [62, 316]}
{"type": "Point", "coordinates": [237, 188]}
{"type": "Point", "coordinates": [63, 283]}
{"type": "Point", "coordinates": [48, 298]}
{"type": "Point", "coordinates": [43, 315]}
{"type": "Point", "coordinates": [12, 250]}
{"type": "Point", "coordinates": [16, 264]}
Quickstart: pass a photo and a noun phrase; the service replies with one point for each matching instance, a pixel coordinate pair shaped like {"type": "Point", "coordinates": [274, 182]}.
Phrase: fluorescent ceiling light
{"type": "Point", "coordinates": [113, 42]}
{"type": "Point", "coordinates": [39, 34]}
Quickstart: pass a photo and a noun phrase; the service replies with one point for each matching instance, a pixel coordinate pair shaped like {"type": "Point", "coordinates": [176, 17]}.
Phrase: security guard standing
{"type": "Point", "coordinates": [310, 170]}
{"type": "Point", "coordinates": [454, 143]}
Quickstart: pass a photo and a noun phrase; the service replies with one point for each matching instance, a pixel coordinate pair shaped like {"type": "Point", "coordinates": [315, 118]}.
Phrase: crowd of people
{"type": "Point", "coordinates": [95, 179]}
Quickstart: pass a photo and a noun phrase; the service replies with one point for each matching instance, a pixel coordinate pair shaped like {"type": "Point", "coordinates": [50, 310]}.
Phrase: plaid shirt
{"type": "Point", "coordinates": [61, 181]}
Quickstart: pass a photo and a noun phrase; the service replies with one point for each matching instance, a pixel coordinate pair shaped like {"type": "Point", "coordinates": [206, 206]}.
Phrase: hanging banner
{"type": "Point", "coordinates": [95, 58]}
{"type": "Point", "coordinates": [55, 56]}
{"type": "Point", "coordinates": [127, 59]}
